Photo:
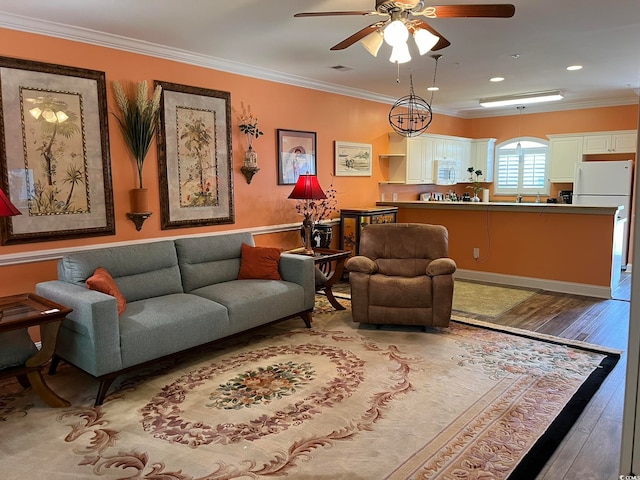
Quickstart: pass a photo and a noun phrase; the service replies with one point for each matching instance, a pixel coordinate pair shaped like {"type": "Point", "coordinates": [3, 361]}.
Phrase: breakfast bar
{"type": "Point", "coordinates": [558, 247]}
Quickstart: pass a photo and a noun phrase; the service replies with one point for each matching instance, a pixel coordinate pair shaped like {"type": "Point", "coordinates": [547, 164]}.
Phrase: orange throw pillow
{"type": "Point", "coordinates": [259, 262]}
{"type": "Point", "coordinates": [102, 281]}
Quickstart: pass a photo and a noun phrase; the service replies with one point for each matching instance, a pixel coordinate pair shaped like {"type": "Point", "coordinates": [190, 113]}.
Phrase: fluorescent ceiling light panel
{"type": "Point", "coordinates": [521, 99]}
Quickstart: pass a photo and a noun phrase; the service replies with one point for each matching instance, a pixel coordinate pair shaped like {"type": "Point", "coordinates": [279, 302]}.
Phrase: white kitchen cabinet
{"type": "Point", "coordinates": [609, 142]}
{"type": "Point", "coordinates": [454, 151]}
{"type": "Point", "coordinates": [564, 152]}
{"type": "Point", "coordinates": [410, 160]}
{"type": "Point", "coordinates": [482, 156]}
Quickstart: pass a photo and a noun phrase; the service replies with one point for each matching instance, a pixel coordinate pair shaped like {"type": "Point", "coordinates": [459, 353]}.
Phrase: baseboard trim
{"type": "Point", "coordinates": [538, 283]}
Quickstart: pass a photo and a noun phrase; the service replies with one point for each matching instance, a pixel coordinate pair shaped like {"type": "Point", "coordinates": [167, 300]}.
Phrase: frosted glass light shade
{"type": "Point", "coordinates": [425, 40]}
{"type": "Point", "coordinates": [373, 42]}
{"type": "Point", "coordinates": [400, 54]}
{"type": "Point", "coordinates": [396, 33]}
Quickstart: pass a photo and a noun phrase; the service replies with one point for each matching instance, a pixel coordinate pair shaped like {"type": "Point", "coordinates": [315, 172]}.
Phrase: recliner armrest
{"type": "Point", "coordinates": [441, 266]}
{"type": "Point", "coordinates": [361, 264]}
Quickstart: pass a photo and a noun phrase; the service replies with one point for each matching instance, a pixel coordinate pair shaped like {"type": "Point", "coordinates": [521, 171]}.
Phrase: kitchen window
{"type": "Point", "coordinates": [521, 167]}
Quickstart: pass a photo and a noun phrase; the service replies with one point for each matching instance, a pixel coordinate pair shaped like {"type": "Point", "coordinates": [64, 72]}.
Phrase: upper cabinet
{"type": "Point", "coordinates": [454, 152]}
{"type": "Point", "coordinates": [567, 150]}
{"type": "Point", "coordinates": [610, 142]}
{"type": "Point", "coordinates": [410, 159]}
{"type": "Point", "coordinates": [564, 152]}
{"type": "Point", "coordinates": [482, 154]}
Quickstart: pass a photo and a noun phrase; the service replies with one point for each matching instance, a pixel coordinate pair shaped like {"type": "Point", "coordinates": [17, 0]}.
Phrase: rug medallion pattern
{"type": "Point", "coordinates": [335, 401]}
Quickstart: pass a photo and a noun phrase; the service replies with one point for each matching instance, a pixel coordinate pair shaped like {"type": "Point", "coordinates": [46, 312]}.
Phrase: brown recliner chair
{"type": "Point", "coordinates": [402, 275]}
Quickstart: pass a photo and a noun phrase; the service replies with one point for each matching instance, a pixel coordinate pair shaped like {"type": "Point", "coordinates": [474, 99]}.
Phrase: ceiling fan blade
{"type": "Point", "coordinates": [442, 43]}
{"type": "Point", "coordinates": [505, 10]}
{"type": "Point", "coordinates": [329, 14]}
{"type": "Point", "coordinates": [359, 35]}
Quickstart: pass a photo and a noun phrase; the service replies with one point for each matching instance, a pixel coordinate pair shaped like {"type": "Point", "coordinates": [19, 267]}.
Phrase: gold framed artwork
{"type": "Point", "coordinates": [352, 159]}
{"type": "Point", "coordinates": [194, 155]}
{"type": "Point", "coordinates": [54, 161]}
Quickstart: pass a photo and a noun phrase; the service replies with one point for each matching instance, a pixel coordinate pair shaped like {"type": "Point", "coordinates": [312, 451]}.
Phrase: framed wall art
{"type": "Point", "coordinates": [54, 160]}
{"type": "Point", "coordinates": [296, 155]}
{"type": "Point", "coordinates": [353, 159]}
{"type": "Point", "coordinates": [194, 154]}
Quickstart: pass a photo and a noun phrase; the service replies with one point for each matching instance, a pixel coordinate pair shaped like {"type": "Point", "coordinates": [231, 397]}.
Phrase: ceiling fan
{"type": "Point", "coordinates": [401, 22]}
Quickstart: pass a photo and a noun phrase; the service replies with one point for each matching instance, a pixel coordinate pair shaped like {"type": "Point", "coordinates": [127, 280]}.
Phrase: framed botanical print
{"type": "Point", "coordinates": [353, 159]}
{"type": "Point", "coordinates": [296, 155]}
{"type": "Point", "coordinates": [54, 160]}
{"type": "Point", "coordinates": [194, 154]}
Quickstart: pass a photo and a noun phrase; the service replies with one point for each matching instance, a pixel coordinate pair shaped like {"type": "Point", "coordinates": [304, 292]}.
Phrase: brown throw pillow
{"type": "Point", "coordinates": [259, 262]}
{"type": "Point", "coordinates": [102, 281]}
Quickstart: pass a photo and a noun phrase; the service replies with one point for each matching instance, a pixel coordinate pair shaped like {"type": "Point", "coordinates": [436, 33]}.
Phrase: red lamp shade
{"type": "Point", "coordinates": [307, 188]}
{"type": "Point", "coordinates": [7, 209]}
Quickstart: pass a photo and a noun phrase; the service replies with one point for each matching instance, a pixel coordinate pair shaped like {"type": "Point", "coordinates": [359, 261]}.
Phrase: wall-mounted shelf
{"type": "Point", "coordinates": [138, 219]}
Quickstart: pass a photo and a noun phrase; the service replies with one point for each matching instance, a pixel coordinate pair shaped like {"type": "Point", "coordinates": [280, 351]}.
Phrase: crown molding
{"type": "Point", "coordinates": [93, 37]}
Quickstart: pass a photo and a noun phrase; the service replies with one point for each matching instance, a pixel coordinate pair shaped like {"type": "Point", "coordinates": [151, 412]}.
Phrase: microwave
{"type": "Point", "coordinates": [445, 172]}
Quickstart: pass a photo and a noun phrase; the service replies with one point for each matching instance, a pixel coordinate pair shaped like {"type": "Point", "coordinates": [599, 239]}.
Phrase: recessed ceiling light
{"type": "Point", "coordinates": [433, 89]}
{"type": "Point", "coordinates": [574, 67]}
{"type": "Point", "coordinates": [496, 79]}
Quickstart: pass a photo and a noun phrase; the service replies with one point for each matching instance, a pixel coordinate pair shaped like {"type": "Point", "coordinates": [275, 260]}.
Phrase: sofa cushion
{"type": "Point", "coordinates": [102, 281]}
{"type": "Point", "coordinates": [259, 262]}
{"type": "Point", "coordinates": [211, 259]}
{"type": "Point", "coordinates": [251, 303]}
{"type": "Point", "coordinates": [140, 271]}
{"type": "Point", "coordinates": [160, 326]}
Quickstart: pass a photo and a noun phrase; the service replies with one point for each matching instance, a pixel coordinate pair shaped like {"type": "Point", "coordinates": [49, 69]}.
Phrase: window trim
{"type": "Point", "coordinates": [508, 191]}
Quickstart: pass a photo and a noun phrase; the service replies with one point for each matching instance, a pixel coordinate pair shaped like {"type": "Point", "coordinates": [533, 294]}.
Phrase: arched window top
{"type": "Point", "coordinates": [521, 167]}
{"type": "Point", "coordinates": [525, 142]}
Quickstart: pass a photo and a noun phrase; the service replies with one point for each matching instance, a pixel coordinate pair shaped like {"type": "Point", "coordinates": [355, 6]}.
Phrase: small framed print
{"type": "Point", "coordinates": [353, 159]}
{"type": "Point", "coordinates": [296, 155]}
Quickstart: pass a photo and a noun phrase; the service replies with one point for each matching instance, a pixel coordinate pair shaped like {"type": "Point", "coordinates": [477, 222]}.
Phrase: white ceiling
{"type": "Point", "coordinates": [545, 35]}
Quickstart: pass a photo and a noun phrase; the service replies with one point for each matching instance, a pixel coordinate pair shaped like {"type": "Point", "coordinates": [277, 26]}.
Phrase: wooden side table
{"type": "Point", "coordinates": [27, 310]}
{"type": "Point", "coordinates": [353, 220]}
{"type": "Point", "coordinates": [331, 264]}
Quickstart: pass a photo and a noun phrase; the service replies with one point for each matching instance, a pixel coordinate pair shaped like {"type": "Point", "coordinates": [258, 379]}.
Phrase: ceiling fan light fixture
{"type": "Point", "coordinates": [523, 98]}
{"type": "Point", "coordinates": [425, 40]}
{"type": "Point", "coordinates": [373, 42]}
{"type": "Point", "coordinates": [400, 54]}
{"type": "Point", "coordinates": [396, 33]}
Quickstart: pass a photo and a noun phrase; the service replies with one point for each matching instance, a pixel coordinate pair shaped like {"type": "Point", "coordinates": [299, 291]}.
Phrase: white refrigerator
{"type": "Point", "coordinates": [608, 184]}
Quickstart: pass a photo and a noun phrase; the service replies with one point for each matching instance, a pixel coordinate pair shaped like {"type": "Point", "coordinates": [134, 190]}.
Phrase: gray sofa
{"type": "Point", "coordinates": [180, 294]}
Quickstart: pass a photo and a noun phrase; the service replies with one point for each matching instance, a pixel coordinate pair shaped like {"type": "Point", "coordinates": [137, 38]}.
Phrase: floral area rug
{"type": "Point", "coordinates": [338, 401]}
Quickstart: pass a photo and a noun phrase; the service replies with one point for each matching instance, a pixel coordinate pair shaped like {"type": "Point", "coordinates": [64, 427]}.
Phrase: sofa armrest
{"type": "Point", "coordinates": [361, 264]}
{"type": "Point", "coordinates": [300, 269]}
{"type": "Point", "coordinates": [441, 266]}
{"type": "Point", "coordinates": [91, 337]}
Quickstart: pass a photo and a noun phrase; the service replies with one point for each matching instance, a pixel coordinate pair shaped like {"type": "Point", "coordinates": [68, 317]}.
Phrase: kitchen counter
{"type": "Point", "coordinates": [558, 247]}
{"type": "Point", "coordinates": [505, 207]}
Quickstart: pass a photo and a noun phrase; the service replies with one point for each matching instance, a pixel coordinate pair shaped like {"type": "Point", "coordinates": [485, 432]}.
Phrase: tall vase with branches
{"type": "Point", "coordinates": [138, 121]}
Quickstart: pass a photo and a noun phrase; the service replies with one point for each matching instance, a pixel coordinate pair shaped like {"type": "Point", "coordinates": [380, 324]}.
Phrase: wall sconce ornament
{"type": "Point", "coordinates": [249, 126]}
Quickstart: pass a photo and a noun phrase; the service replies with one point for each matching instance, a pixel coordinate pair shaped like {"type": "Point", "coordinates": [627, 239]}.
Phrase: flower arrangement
{"type": "Point", "coordinates": [249, 126]}
{"type": "Point", "coordinates": [316, 210]}
{"type": "Point", "coordinates": [139, 120]}
{"type": "Point", "coordinates": [475, 181]}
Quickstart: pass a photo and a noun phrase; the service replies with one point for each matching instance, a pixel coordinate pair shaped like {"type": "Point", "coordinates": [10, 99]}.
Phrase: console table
{"type": "Point", "coordinates": [27, 310]}
{"type": "Point", "coordinates": [353, 220]}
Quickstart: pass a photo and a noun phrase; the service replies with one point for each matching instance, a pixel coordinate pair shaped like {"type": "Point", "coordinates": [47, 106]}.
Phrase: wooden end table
{"type": "Point", "coordinates": [27, 310]}
{"type": "Point", "coordinates": [331, 263]}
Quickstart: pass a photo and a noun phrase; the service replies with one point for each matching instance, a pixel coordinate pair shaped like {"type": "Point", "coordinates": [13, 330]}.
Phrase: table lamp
{"type": "Point", "coordinates": [307, 188]}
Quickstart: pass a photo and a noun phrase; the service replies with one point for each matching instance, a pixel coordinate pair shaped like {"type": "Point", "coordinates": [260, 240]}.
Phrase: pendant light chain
{"type": "Point", "coordinates": [435, 72]}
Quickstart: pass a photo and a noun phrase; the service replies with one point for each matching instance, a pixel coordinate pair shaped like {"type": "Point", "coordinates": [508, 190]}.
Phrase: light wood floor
{"type": "Point", "coordinates": [591, 450]}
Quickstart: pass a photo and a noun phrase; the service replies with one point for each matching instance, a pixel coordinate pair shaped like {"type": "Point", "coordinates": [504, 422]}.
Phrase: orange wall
{"type": "Point", "coordinates": [537, 245]}
{"type": "Point", "coordinates": [263, 202]}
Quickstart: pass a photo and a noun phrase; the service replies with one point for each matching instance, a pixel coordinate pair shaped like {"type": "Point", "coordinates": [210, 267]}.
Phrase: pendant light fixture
{"type": "Point", "coordinates": [411, 115]}
{"type": "Point", "coordinates": [519, 145]}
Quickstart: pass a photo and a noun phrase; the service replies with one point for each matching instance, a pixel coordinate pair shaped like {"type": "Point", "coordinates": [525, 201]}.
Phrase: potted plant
{"type": "Point", "coordinates": [475, 186]}
{"type": "Point", "coordinates": [138, 122]}
{"type": "Point", "coordinates": [249, 126]}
